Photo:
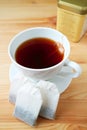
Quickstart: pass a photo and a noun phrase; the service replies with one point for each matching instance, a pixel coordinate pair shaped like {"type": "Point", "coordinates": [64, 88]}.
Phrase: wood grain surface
{"type": "Point", "coordinates": [18, 15]}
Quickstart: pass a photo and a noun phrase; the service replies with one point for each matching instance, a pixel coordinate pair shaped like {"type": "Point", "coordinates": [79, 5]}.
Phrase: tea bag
{"type": "Point", "coordinates": [17, 83]}
{"type": "Point", "coordinates": [50, 96]}
{"type": "Point", "coordinates": [28, 104]}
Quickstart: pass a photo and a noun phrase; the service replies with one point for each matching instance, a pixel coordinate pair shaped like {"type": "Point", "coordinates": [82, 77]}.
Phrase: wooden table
{"type": "Point", "coordinates": [72, 109]}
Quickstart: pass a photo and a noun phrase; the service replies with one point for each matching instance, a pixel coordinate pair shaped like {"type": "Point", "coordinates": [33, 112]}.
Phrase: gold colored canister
{"type": "Point", "coordinates": [72, 18]}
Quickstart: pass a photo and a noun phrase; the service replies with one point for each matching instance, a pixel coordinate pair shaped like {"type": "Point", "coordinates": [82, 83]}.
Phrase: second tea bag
{"type": "Point", "coordinates": [15, 85]}
{"type": "Point", "coordinates": [50, 96]}
{"type": "Point", "coordinates": [28, 104]}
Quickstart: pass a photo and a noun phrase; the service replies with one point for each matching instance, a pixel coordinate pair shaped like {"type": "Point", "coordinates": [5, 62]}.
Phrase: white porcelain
{"type": "Point", "coordinates": [45, 73]}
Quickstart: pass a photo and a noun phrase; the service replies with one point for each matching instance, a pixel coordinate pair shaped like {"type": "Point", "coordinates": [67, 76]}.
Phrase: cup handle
{"type": "Point", "coordinates": [75, 66]}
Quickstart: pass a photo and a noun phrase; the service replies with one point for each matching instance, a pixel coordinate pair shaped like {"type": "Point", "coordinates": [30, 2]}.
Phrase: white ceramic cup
{"type": "Point", "coordinates": [44, 73]}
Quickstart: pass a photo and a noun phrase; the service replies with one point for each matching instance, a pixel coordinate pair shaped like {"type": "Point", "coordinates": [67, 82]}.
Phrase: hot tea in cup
{"type": "Point", "coordinates": [41, 52]}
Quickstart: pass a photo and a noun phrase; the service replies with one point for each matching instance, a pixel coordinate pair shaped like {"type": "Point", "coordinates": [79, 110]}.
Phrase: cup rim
{"type": "Point", "coordinates": [33, 69]}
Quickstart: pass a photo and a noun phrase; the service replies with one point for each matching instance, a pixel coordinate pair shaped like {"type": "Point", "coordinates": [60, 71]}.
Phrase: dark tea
{"type": "Point", "coordinates": [38, 53]}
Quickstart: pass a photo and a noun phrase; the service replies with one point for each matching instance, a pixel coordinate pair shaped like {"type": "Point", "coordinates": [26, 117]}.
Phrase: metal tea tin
{"type": "Point", "coordinates": [72, 18]}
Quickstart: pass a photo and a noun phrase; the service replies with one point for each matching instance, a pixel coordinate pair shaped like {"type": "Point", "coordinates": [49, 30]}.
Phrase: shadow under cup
{"type": "Point", "coordinates": [39, 32]}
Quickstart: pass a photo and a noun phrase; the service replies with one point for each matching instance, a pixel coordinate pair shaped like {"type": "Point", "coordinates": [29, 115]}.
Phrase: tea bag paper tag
{"type": "Point", "coordinates": [28, 104]}
{"type": "Point", "coordinates": [50, 96]}
{"type": "Point", "coordinates": [16, 84]}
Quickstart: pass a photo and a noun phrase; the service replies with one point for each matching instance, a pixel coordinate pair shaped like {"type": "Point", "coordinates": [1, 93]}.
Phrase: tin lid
{"type": "Point", "coordinates": [77, 6]}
